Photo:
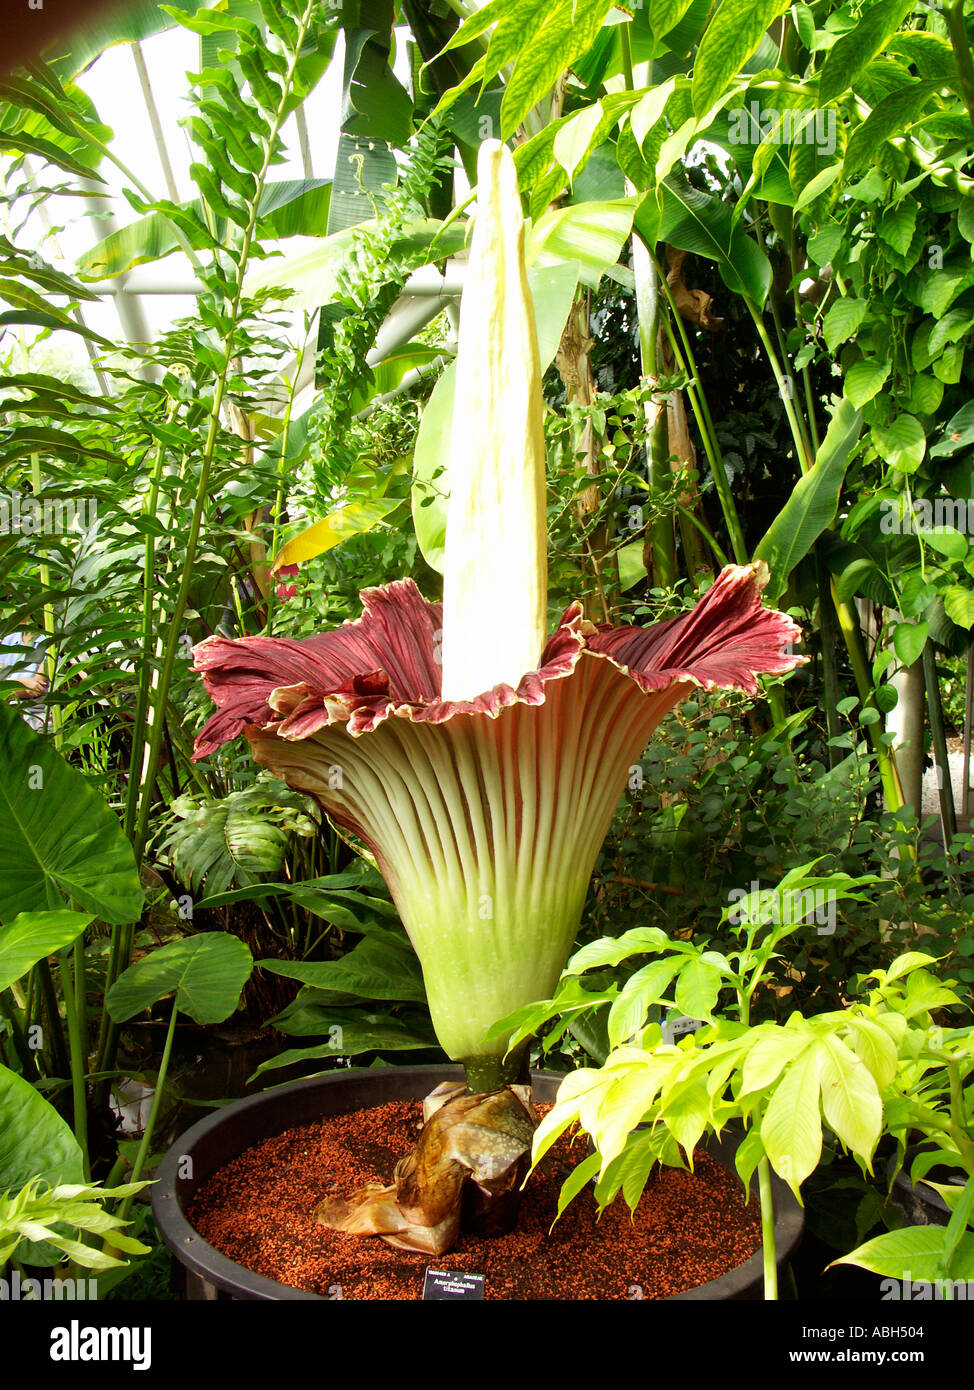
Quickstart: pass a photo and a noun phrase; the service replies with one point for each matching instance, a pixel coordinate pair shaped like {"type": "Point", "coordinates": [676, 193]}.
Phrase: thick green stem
{"type": "Point", "coordinates": [938, 732]}
{"type": "Point", "coordinates": [59, 1062]}
{"type": "Point", "coordinates": [202, 490]}
{"type": "Point", "coordinates": [22, 1048]}
{"type": "Point", "coordinates": [50, 660]}
{"type": "Point", "coordinates": [73, 989]}
{"type": "Point", "coordinates": [830, 678]}
{"type": "Point", "coordinates": [491, 1073]}
{"type": "Point", "coordinates": [767, 1231]}
{"type": "Point", "coordinates": [648, 310]}
{"type": "Point", "coordinates": [957, 29]}
{"type": "Point", "coordinates": [146, 1141]}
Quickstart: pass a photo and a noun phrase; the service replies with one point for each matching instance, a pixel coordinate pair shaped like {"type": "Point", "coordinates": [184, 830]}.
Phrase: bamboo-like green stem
{"type": "Point", "coordinates": [830, 678]}
{"type": "Point", "coordinates": [695, 521]}
{"type": "Point", "coordinates": [958, 1119]}
{"type": "Point", "coordinates": [145, 642]}
{"type": "Point", "coordinates": [848, 623]}
{"type": "Point", "coordinates": [144, 1148]}
{"type": "Point", "coordinates": [121, 936]}
{"type": "Point", "coordinates": [957, 31]}
{"type": "Point", "coordinates": [938, 733]}
{"type": "Point", "coordinates": [12, 1014]}
{"type": "Point", "coordinates": [648, 311]}
{"type": "Point", "coordinates": [683, 353]}
{"type": "Point", "coordinates": [50, 661]}
{"type": "Point", "coordinates": [61, 1065]}
{"type": "Point", "coordinates": [175, 618]}
{"type": "Point", "coordinates": [767, 1231]}
{"type": "Point", "coordinates": [71, 988]}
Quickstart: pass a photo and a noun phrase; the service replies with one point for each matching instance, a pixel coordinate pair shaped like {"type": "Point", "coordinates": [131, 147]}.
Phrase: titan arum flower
{"type": "Point", "coordinates": [480, 762]}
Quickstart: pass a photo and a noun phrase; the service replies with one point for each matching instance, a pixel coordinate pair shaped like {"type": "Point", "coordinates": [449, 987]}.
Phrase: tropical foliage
{"type": "Point", "coordinates": [749, 241]}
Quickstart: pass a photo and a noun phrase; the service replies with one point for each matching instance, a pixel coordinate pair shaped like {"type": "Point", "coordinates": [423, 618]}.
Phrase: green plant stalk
{"type": "Point", "coordinates": [719, 555]}
{"type": "Point", "coordinates": [806, 375]}
{"type": "Point", "coordinates": [958, 1128]}
{"type": "Point", "coordinates": [768, 1246]}
{"type": "Point", "coordinates": [59, 1053]}
{"type": "Point", "coordinates": [830, 678]}
{"type": "Point", "coordinates": [683, 353]}
{"type": "Point", "coordinates": [145, 643]}
{"type": "Point", "coordinates": [22, 1048]}
{"type": "Point", "coordinates": [50, 661]}
{"type": "Point", "coordinates": [938, 733]}
{"type": "Point", "coordinates": [957, 30]}
{"type": "Point", "coordinates": [72, 986]}
{"type": "Point", "coordinates": [146, 1141]}
{"type": "Point", "coordinates": [121, 936]}
{"type": "Point", "coordinates": [141, 826]}
{"type": "Point", "coordinates": [649, 316]}
{"type": "Point", "coordinates": [848, 624]}
{"type": "Point", "coordinates": [278, 508]}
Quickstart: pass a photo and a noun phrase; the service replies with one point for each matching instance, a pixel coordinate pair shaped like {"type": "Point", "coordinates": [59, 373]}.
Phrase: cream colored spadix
{"type": "Point", "coordinates": [495, 572]}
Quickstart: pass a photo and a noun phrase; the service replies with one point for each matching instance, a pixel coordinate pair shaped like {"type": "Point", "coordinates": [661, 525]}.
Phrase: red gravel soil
{"type": "Point", "coordinates": [257, 1210]}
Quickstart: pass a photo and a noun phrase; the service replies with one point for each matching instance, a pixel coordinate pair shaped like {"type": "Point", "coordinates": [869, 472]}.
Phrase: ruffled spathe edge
{"type": "Point", "coordinates": [384, 664]}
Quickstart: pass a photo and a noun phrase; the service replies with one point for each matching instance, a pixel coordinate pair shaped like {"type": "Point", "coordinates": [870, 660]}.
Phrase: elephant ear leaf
{"type": "Point", "coordinates": [59, 842]}
{"type": "Point", "coordinates": [34, 1140]}
{"type": "Point", "coordinates": [206, 973]}
{"type": "Point", "coordinates": [33, 935]}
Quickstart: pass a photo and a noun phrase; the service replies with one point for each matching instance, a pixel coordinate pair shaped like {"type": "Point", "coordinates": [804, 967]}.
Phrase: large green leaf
{"type": "Point", "coordinates": [288, 207]}
{"type": "Point", "coordinates": [850, 54]}
{"type": "Point", "coordinates": [958, 432]}
{"type": "Point", "coordinates": [914, 1252]}
{"type": "Point", "coordinates": [58, 839]}
{"type": "Point", "coordinates": [566, 30]}
{"type": "Point", "coordinates": [864, 380]}
{"type": "Point", "coordinates": [359, 1032]}
{"type": "Point", "coordinates": [850, 1099]}
{"type": "Point", "coordinates": [376, 105]}
{"type": "Point", "coordinates": [363, 168]}
{"type": "Point", "coordinates": [590, 235]}
{"type": "Point", "coordinates": [352, 519]}
{"type": "Point", "coordinates": [791, 1130]}
{"type": "Point", "coordinates": [842, 320]}
{"type": "Point", "coordinates": [207, 973]}
{"type": "Point", "coordinates": [33, 935]}
{"type": "Point", "coordinates": [98, 27]}
{"type": "Point", "coordinates": [732, 36]}
{"type": "Point", "coordinates": [812, 504]}
{"type": "Point", "coordinates": [34, 1141]}
{"type": "Point", "coordinates": [701, 223]}
{"type": "Point", "coordinates": [891, 116]}
{"type": "Point", "coordinates": [382, 966]}
{"type": "Point", "coordinates": [902, 443]}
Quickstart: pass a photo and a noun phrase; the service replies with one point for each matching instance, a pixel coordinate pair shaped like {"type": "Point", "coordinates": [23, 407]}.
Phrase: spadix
{"type": "Point", "coordinates": [495, 571]}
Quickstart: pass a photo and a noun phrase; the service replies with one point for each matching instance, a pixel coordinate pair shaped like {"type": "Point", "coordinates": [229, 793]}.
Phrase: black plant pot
{"type": "Point", "coordinates": [220, 1137]}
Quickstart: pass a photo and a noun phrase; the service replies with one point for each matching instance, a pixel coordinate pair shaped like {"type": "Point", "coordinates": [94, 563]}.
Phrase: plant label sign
{"type": "Point", "coordinates": [441, 1284]}
{"type": "Point", "coordinates": [678, 1025]}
